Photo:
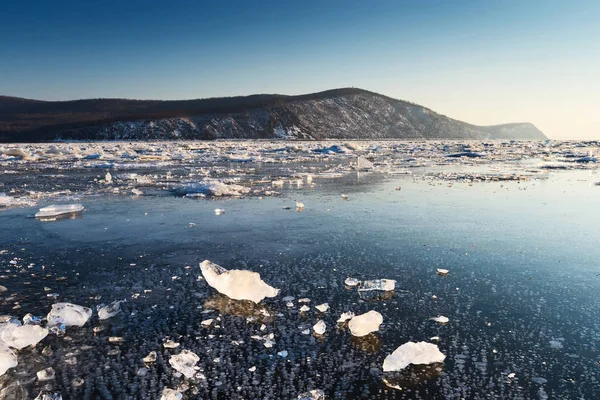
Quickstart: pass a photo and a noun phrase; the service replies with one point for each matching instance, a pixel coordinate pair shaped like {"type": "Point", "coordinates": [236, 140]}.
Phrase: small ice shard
{"type": "Point", "coordinates": [442, 272]}
{"type": "Point", "coordinates": [137, 192]}
{"type": "Point", "coordinates": [304, 300]}
{"type": "Point", "coordinates": [283, 353]}
{"type": "Point", "coordinates": [20, 336]}
{"type": "Point", "coordinates": [68, 314]}
{"type": "Point", "coordinates": [345, 317]}
{"type": "Point", "coordinates": [306, 332]}
{"type": "Point", "coordinates": [344, 197]}
{"type": "Point", "coordinates": [512, 375]}
{"type": "Point", "coordinates": [206, 322]}
{"type": "Point", "coordinates": [320, 327]}
{"type": "Point", "coordinates": [185, 363]}
{"type": "Point", "coordinates": [219, 211]}
{"type": "Point", "coordinates": [435, 339]}
{"type": "Point", "coordinates": [237, 284]}
{"type": "Point", "coordinates": [47, 374]}
{"type": "Point", "coordinates": [115, 339]}
{"type": "Point", "coordinates": [108, 178]}
{"type": "Point", "coordinates": [252, 369]}
{"type": "Point", "coordinates": [351, 282]}
{"type": "Point", "coordinates": [363, 324]}
{"type": "Point", "coordinates": [304, 308]}
{"type": "Point", "coordinates": [421, 353]}
{"type": "Point", "coordinates": [434, 297]}
{"type": "Point", "coordinates": [30, 319]}
{"type": "Point", "coordinates": [440, 319]}
{"type": "Point", "coordinates": [110, 310]}
{"type": "Point", "coordinates": [378, 284]}
{"type": "Point", "coordinates": [316, 394]}
{"type": "Point", "coordinates": [170, 394]}
{"type": "Point", "coordinates": [322, 307]}
{"type": "Point", "coordinates": [58, 210]}
{"type": "Point", "coordinates": [288, 298]}
{"type": "Point", "coordinates": [48, 396]}
{"type": "Point", "coordinates": [8, 359]}
{"type": "Point", "coordinates": [170, 344]}
{"type": "Point", "coordinates": [150, 358]}
{"type": "Point", "coordinates": [299, 206]}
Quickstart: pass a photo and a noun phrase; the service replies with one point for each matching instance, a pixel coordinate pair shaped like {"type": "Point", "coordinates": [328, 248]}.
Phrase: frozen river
{"type": "Point", "coordinates": [521, 294]}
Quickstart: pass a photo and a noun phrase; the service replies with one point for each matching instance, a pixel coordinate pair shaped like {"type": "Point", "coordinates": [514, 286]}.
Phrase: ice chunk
{"type": "Point", "coordinates": [440, 319]}
{"type": "Point", "coordinates": [108, 178]}
{"type": "Point", "coordinates": [421, 353]}
{"type": "Point", "coordinates": [304, 308]}
{"type": "Point", "coordinates": [185, 363]}
{"type": "Point", "coordinates": [110, 310]}
{"type": "Point", "coordinates": [363, 324]}
{"type": "Point", "coordinates": [212, 188]}
{"type": "Point", "coordinates": [219, 211]}
{"type": "Point", "coordinates": [345, 317]}
{"type": "Point", "coordinates": [316, 394]}
{"type": "Point", "coordinates": [352, 282]}
{"type": "Point", "coordinates": [283, 353]}
{"type": "Point", "coordinates": [47, 374]}
{"type": "Point", "coordinates": [48, 396]}
{"type": "Point", "coordinates": [237, 284]}
{"type": "Point", "coordinates": [20, 336]}
{"type": "Point", "coordinates": [344, 196]}
{"type": "Point", "coordinates": [137, 192]}
{"type": "Point", "coordinates": [58, 210]}
{"type": "Point", "coordinates": [378, 284]}
{"type": "Point", "coordinates": [8, 359]}
{"type": "Point", "coordinates": [299, 206]}
{"type": "Point", "coordinates": [150, 358]}
{"type": "Point", "coordinates": [170, 394]}
{"type": "Point", "coordinates": [68, 314]}
{"type": "Point", "coordinates": [170, 344]}
{"type": "Point", "coordinates": [322, 307]}
{"type": "Point", "coordinates": [364, 164]}
{"type": "Point", "coordinates": [442, 272]}
{"type": "Point", "coordinates": [320, 327]}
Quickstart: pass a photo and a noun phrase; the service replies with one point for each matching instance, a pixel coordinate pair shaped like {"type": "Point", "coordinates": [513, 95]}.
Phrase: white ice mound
{"type": "Point", "coordinates": [110, 310]}
{"type": "Point", "coordinates": [185, 363]}
{"type": "Point", "coordinates": [68, 314]}
{"type": "Point", "coordinates": [237, 284]}
{"type": "Point", "coordinates": [8, 359]}
{"type": "Point", "coordinates": [421, 353]}
{"type": "Point", "coordinates": [20, 336]}
{"type": "Point", "coordinates": [211, 188]}
{"type": "Point", "coordinates": [58, 210]}
{"type": "Point", "coordinates": [363, 324]}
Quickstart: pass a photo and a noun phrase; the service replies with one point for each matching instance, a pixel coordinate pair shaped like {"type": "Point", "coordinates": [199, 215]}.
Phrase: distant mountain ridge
{"type": "Point", "coordinates": [347, 113]}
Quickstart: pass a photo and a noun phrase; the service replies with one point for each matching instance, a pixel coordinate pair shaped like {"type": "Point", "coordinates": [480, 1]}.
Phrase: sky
{"type": "Point", "coordinates": [484, 62]}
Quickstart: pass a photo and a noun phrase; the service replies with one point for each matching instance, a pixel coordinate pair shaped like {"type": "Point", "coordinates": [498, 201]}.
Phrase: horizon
{"type": "Point", "coordinates": [485, 64]}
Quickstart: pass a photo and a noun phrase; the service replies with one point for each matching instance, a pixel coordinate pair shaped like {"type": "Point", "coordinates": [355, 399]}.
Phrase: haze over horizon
{"type": "Point", "coordinates": [485, 63]}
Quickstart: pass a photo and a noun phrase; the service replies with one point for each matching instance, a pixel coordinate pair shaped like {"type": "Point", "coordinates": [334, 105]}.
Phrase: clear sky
{"type": "Point", "coordinates": [484, 62]}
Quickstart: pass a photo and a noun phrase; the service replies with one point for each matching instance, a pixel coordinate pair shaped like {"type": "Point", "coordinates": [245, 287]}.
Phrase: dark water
{"type": "Point", "coordinates": [524, 271]}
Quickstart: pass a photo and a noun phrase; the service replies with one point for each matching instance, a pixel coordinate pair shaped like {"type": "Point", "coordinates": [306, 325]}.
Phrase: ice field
{"type": "Point", "coordinates": [493, 248]}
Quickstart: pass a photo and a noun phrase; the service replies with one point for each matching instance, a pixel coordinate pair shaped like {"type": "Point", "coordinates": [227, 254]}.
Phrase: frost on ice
{"type": "Point", "coordinates": [185, 363]}
{"type": "Point", "coordinates": [363, 324]}
{"type": "Point", "coordinates": [237, 284]}
{"type": "Point", "coordinates": [421, 353]}
{"type": "Point", "coordinates": [68, 314]}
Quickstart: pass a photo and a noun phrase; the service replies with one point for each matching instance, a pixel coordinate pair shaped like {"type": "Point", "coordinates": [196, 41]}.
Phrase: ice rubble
{"type": "Point", "coordinates": [58, 210]}
{"type": "Point", "coordinates": [185, 363]}
{"type": "Point", "coordinates": [421, 353]}
{"type": "Point", "coordinates": [9, 201]}
{"type": "Point", "coordinates": [68, 314]}
{"type": "Point", "coordinates": [237, 284]}
{"type": "Point", "coordinates": [362, 325]}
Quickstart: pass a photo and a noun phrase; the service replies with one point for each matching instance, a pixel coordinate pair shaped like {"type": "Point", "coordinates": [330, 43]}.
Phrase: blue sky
{"type": "Point", "coordinates": [483, 62]}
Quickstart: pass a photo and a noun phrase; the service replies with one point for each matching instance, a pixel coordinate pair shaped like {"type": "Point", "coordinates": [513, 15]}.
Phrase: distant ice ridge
{"type": "Point", "coordinates": [237, 284]}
